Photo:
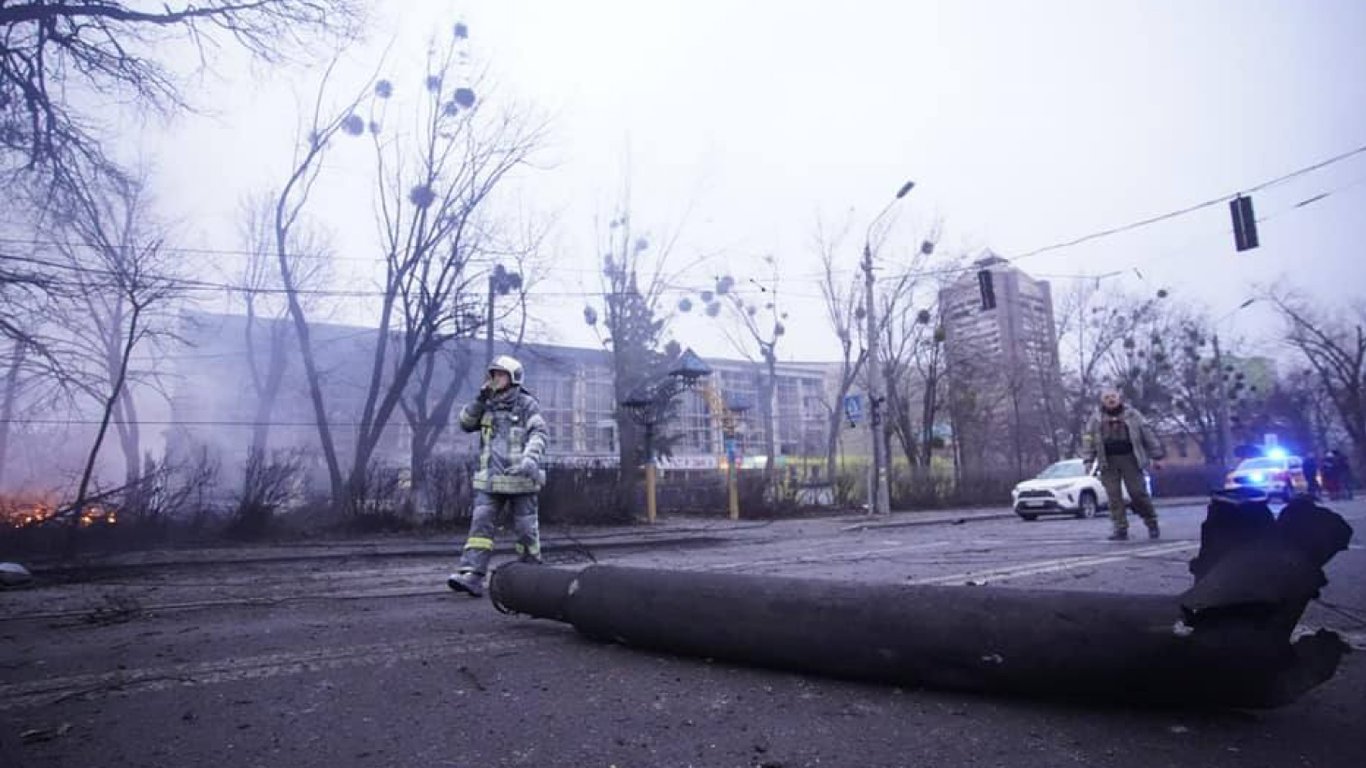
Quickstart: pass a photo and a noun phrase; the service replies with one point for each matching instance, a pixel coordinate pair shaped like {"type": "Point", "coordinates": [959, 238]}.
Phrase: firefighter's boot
{"type": "Point", "coordinates": [469, 582]}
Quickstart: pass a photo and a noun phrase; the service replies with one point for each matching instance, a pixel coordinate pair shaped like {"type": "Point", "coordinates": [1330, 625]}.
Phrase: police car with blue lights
{"type": "Point", "coordinates": [1277, 474]}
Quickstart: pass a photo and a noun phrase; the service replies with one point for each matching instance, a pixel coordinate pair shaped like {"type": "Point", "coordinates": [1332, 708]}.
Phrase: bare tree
{"type": "Point", "coordinates": [55, 52]}
{"type": "Point", "coordinates": [427, 408]}
{"type": "Point", "coordinates": [1301, 401]}
{"type": "Point", "coordinates": [632, 324]}
{"type": "Point", "coordinates": [761, 324]}
{"type": "Point", "coordinates": [121, 281]}
{"type": "Point", "coordinates": [976, 394]}
{"type": "Point", "coordinates": [24, 306]}
{"type": "Point", "coordinates": [930, 367]}
{"type": "Point", "coordinates": [9, 401]}
{"type": "Point", "coordinates": [429, 403]}
{"type": "Point", "coordinates": [432, 195]}
{"type": "Point", "coordinates": [1196, 382]}
{"type": "Point", "coordinates": [911, 351]}
{"type": "Point", "coordinates": [320, 138]}
{"type": "Point", "coordinates": [1093, 328]}
{"type": "Point", "coordinates": [267, 311]}
{"type": "Point", "coordinates": [845, 313]}
{"type": "Point", "coordinates": [1335, 348]}
{"type": "Point", "coordinates": [1034, 419]}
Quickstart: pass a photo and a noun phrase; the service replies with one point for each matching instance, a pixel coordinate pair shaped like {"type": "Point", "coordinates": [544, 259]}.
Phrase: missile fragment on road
{"type": "Point", "coordinates": [1226, 641]}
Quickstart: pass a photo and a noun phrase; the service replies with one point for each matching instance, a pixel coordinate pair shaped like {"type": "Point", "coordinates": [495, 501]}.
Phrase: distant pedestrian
{"type": "Point", "coordinates": [512, 443]}
{"type": "Point", "coordinates": [1341, 470]}
{"type": "Point", "coordinates": [1122, 443]}
{"type": "Point", "coordinates": [1331, 474]}
{"type": "Point", "coordinates": [1311, 475]}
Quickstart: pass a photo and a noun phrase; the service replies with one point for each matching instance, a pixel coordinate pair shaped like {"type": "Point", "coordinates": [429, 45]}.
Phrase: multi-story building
{"type": "Point", "coordinates": [1004, 382]}
{"type": "Point", "coordinates": [215, 408]}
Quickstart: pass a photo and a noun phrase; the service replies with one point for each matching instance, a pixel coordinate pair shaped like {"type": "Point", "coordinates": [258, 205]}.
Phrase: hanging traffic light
{"type": "Point", "coordinates": [1244, 223]}
{"type": "Point", "coordinates": [988, 289]}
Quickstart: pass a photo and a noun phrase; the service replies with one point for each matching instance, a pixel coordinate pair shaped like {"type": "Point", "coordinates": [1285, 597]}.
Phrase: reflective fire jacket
{"type": "Point", "coordinates": [510, 428]}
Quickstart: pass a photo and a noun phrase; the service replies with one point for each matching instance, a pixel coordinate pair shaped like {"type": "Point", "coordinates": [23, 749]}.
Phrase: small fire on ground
{"type": "Point", "coordinates": [18, 512]}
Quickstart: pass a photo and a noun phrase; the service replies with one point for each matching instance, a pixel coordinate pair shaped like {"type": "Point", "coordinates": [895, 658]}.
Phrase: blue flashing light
{"type": "Point", "coordinates": [1258, 477]}
{"type": "Point", "coordinates": [1276, 453]}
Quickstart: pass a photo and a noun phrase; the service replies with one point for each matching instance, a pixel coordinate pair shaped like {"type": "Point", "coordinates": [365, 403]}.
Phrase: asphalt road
{"type": "Point", "coordinates": [359, 656]}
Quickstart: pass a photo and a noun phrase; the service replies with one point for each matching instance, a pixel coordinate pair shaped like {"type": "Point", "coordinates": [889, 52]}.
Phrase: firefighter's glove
{"type": "Point", "coordinates": [526, 467]}
{"type": "Point", "coordinates": [485, 392]}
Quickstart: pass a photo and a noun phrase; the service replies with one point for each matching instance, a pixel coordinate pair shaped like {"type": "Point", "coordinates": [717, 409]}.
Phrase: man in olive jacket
{"type": "Point", "coordinates": [512, 443]}
{"type": "Point", "coordinates": [1122, 443]}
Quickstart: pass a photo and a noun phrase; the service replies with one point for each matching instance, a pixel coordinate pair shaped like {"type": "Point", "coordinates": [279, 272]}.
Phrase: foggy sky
{"type": "Point", "coordinates": [738, 124]}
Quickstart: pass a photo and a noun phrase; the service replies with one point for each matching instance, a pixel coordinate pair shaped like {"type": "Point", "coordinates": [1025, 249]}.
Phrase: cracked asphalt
{"type": "Point", "coordinates": [355, 654]}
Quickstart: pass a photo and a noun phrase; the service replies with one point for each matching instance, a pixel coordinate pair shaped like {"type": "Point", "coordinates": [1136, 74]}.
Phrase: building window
{"type": "Point", "coordinates": [739, 386]}
{"type": "Point", "coordinates": [599, 416]}
{"type": "Point", "coordinates": [555, 391]}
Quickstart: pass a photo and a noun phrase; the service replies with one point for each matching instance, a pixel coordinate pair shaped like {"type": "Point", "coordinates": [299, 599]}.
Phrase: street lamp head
{"type": "Point", "coordinates": [689, 368]}
{"type": "Point", "coordinates": [738, 404]}
{"type": "Point", "coordinates": [907, 187]}
{"type": "Point", "coordinates": [640, 404]}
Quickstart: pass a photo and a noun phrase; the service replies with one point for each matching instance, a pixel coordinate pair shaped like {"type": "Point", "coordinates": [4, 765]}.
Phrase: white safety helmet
{"type": "Point", "coordinates": [509, 365]}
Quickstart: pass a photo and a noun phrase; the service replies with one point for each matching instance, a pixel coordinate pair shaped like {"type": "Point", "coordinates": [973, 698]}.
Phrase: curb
{"type": "Point", "coordinates": [268, 555]}
{"type": "Point", "coordinates": [555, 542]}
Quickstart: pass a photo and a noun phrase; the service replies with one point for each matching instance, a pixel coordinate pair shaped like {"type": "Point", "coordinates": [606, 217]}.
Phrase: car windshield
{"type": "Point", "coordinates": [1263, 464]}
{"type": "Point", "coordinates": [1063, 469]}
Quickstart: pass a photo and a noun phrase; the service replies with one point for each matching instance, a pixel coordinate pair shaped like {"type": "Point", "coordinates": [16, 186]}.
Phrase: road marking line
{"type": "Point", "coordinates": [1052, 566]}
{"type": "Point", "coordinates": [38, 693]}
{"type": "Point", "coordinates": [824, 557]}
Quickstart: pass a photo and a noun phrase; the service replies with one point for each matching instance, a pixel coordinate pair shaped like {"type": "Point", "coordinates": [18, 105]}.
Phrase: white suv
{"type": "Point", "coordinates": [1064, 488]}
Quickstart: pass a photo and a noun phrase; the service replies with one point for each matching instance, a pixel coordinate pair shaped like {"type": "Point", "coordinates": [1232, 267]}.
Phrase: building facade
{"type": "Point", "coordinates": [216, 409]}
{"type": "Point", "coordinates": [1004, 380]}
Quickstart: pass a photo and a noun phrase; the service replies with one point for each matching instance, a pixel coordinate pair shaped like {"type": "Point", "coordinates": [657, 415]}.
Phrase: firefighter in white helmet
{"type": "Point", "coordinates": [512, 443]}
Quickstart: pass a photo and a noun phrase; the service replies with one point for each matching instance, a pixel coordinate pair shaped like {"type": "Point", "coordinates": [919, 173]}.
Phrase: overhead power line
{"type": "Point", "coordinates": [188, 284]}
{"type": "Point", "coordinates": [1192, 208]}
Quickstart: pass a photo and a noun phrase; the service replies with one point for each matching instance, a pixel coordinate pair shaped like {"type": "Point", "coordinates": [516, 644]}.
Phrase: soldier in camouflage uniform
{"type": "Point", "coordinates": [512, 442]}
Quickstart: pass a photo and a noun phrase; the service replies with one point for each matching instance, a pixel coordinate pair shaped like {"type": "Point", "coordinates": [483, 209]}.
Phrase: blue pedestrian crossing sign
{"type": "Point", "coordinates": [853, 409]}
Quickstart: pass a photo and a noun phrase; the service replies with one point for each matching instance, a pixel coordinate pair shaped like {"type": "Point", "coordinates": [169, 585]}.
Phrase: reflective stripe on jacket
{"type": "Point", "coordinates": [510, 428]}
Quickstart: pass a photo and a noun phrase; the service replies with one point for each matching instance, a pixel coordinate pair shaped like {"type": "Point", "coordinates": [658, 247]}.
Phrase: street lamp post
{"type": "Point", "coordinates": [879, 493]}
{"type": "Point", "coordinates": [729, 435]}
{"type": "Point", "coordinates": [641, 405]}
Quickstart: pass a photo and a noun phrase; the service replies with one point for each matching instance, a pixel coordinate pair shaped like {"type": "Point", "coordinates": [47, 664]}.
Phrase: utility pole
{"type": "Point", "coordinates": [879, 491]}
{"type": "Point", "coordinates": [879, 494]}
{"type": "Point", "coordinates": [1221, 406]}
{"type": "Point", "coordinates": [488, 323]}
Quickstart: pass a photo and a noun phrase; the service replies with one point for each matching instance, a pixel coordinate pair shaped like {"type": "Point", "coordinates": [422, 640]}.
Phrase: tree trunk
{"type": "Point", "coordinates": [268, 387]}
{"type": "Point", "coordinates": [10, 398]}
{"type": "Point", "coordinates": [130, 437]}
{"type": "Point", "coordinates": [832, 439]}
{"type": "Point", "coordinates": [110, 402]}
{"type": "Point", "coordinates": [902, 427]}
{"type": "Point", "coordinates": [767, 392]}
{"type": "Point", "coordinates": [428, 426]}
{"type": "Point", "coordinates": [929, 411]}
